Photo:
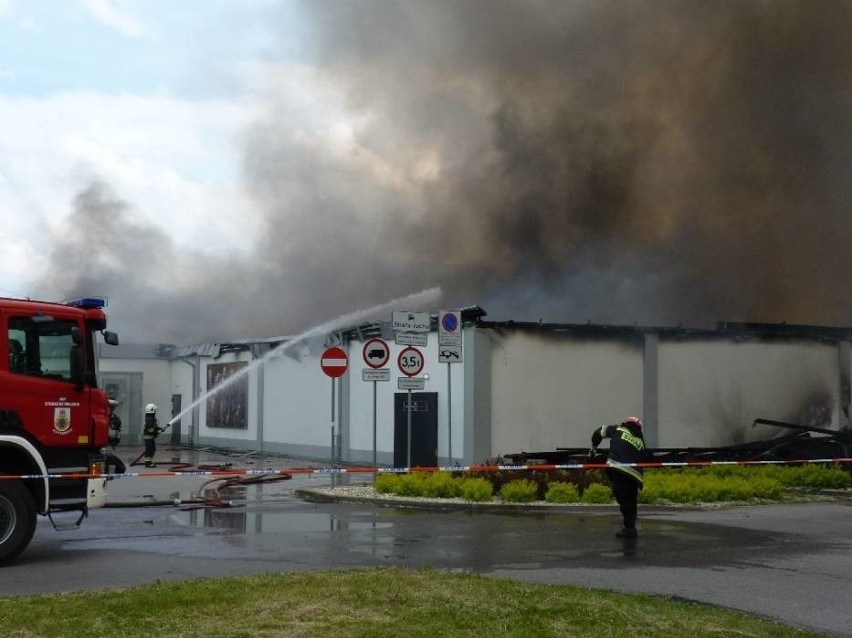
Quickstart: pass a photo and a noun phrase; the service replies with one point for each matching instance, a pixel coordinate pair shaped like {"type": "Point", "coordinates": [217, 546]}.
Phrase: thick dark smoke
{"type": "Point", "coordinates": [155, 292]}
{"type": "Point", "coordinates": [659, 162]}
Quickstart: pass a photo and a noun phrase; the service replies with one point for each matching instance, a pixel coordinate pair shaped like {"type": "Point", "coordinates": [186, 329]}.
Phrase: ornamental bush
{"type": "Point", "coordinates": [818, 477]}
{"type": "Point", "coordinates": [477, 490]}
{"type": "Point", "coordinates": [674, 485]}
{"type": "Point", "coordinates": [386, 483]}
{"type": "Point", "coordinates": [597, 493]}
{"type": "Point", "coordinates": [562, 493]}
{"type": "Point", "coordinates": [708, 487]}
{"type": "Point", "coordinates": [519, 491]}
{"type": "Point", "coordinates": [440, 485]}
{"type": "Point", "coordinates": [412, 484]}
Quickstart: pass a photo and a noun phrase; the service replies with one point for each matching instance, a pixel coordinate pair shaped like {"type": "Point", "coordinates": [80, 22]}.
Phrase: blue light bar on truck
{"type": "Point", "coordinates": [87, 303]}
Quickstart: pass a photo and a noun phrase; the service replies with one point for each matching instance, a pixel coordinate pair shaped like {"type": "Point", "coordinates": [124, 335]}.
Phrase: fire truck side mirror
{"type": "Point", "coordinates": [76, 336]}
{"type": "Point", "coordinates": [111, 337]}
{"type": "Point", "coordinates": [78, 366]}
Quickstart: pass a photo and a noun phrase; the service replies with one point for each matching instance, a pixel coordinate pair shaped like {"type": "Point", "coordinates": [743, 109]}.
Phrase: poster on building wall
{"type": "Point", "coordinates": [226, 408]}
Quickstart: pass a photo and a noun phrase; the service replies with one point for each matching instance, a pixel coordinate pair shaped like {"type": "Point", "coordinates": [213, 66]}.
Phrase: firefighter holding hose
{"type": "Point", "coordinates": [149, 433]}
{"type": "Point", "coordinates": [626, 447]}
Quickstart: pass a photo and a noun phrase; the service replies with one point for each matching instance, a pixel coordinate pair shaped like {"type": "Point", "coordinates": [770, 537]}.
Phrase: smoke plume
{"type": "Point", "coordinates": [660, 162]}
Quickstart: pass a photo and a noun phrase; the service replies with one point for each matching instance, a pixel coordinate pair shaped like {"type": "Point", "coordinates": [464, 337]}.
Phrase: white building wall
{"type": "Point", "coordinates": [527, 391]}
{"type": "Point", "coordinates": [297, 405]}
{"type": "Point", "coordinates": [710, 391]}
{"type": "Point", "coordinates": [550, 391]}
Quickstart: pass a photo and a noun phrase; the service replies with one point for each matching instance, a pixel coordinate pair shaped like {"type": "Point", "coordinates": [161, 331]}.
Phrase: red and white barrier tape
{"type": "Point", "coordinates": [406, 470]}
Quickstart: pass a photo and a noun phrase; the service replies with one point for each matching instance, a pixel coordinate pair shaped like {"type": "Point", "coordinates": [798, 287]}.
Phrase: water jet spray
{"type": "Point", "coordinates": [419, 299]}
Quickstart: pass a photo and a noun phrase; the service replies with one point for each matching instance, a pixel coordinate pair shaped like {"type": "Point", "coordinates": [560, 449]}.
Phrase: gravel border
{"type": "Point", "coordinates": [367, 494]}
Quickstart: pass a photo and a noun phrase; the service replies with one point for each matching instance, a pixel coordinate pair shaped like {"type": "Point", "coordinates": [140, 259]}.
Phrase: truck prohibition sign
{"type": "Point", "coordinates": [376, 353]}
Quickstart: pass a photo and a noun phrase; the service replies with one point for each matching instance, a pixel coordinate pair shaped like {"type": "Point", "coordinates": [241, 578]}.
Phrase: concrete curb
{"type": "Point", "coordinates": [357, 495]}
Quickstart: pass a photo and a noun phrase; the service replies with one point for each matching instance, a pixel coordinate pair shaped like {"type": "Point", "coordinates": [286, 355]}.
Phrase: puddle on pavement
{"type": "Point", "coordinates": [243, 511]}
{"type": "Point", "coordinates": [243, 521]}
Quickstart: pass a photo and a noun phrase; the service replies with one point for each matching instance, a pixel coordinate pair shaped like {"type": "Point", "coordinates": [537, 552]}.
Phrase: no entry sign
{"type": "Point", "coordinates": [334, 362]}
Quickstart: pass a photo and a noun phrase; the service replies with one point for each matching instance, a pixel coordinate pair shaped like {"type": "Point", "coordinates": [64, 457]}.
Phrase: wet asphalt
{"type": "Point", "coordinates": [792, 563]}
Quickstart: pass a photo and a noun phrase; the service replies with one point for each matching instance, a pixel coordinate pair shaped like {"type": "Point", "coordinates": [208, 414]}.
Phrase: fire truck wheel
{"type": "Point", "coordinates": [17, 519]}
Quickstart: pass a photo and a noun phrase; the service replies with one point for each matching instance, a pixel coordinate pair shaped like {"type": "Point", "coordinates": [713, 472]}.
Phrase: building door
{"type": "Point", "coordinates": [176, 408]}
{"type": "Point", "coordinates": [126, 388]}
{"type": "Point", "coordinates": [116, 389]}
{"type": "Point", "coordinates": [424, 429]}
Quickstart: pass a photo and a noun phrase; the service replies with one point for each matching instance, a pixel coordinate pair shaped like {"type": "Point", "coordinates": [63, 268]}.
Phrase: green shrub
{"type": "Point", "coordinates": [412, 484]}
{"type": "Point", "coordinates": [477, 490]}
{"type": "Point", "coordinates": [440, 485]}
{"type": "Point", "coordinates": [387, 483]}
{"type": "Point", "coordinates": [819, 477]}
{"type": "Point", "coordinates": [650, 493]}
{"type": "Point", "coordinates": [519, 491]}
{"type": "Point", "coordinates": [597, 493]}
{"type": "Point", "coordinates": [678, 485]}
{"type": "Point", "coordinates": [707, 486]}
{"type": "Point", "coordinates": [767, 488]}
{"type": "Point", "coordinates": [562, 493]}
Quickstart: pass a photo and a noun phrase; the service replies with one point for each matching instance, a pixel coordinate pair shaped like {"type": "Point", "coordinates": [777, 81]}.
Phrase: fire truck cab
{"type": "Point", "coordinates": [54, 419]}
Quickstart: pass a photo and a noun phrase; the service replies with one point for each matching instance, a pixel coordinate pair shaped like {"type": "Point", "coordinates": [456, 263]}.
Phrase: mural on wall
{"type": "Point", "coordinates": [227, 408]}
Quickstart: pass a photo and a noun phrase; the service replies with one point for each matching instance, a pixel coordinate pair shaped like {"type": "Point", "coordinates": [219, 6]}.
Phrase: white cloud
{"type": "Point", "coordinates": [176, 162]}
{"type": "Point", "coordinates": [118, 15]}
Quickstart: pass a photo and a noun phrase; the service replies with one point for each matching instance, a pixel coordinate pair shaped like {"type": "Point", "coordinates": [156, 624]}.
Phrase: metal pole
{"type": "Point", "coordinates": [332, 424]}
{"type": "Point", "coordinates": [375, 464]}
{"type": "Point", "coordinates": [340, 418]}
{"type": "Point", "coordinates": [408, 407]}
{"type": "Point", "coordinates": [450, 411]}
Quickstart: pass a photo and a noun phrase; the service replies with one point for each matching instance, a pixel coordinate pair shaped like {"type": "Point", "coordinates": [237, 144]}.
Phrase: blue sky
{"type": "Point", "coordinates": [116, 46]}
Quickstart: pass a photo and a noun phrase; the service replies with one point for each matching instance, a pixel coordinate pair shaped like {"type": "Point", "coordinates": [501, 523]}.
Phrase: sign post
{"type": "Point", "coordinates": [449, 351]}
{"type": "Point", "coordinates": [376, 353]}
{"type": "Point", "coordinates": [410, 362]}
{"type": "Point", "coordinates": [334, 363]}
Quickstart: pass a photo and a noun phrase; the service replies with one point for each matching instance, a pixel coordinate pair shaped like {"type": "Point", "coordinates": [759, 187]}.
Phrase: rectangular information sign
{"type": "Point", "coordinates": [380, 374]}
{"type": "Point", "coordinates": [411, 321]}
{"type": "Point", "coordinates": [411, 383]}
{"type": "Point", "coordinates": [411, 339]}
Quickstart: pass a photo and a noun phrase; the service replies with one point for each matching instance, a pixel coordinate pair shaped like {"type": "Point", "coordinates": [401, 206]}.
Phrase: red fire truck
{"type": "Point", "coordinates": [54, 420]}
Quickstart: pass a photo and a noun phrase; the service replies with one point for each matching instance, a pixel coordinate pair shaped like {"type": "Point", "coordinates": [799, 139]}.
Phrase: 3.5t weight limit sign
{"type": "Point", "coordinates": [410, 362]}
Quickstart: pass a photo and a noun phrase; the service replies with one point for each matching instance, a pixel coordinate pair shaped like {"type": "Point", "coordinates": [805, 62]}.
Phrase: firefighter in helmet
{"type": "Point", "coordinates": [149, 433]}
{"type": "Point", "coordinates": [626, 448]}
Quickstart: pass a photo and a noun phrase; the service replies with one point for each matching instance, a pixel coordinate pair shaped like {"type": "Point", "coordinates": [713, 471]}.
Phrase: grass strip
{"type": "Point", "coordinates": [369, 603]}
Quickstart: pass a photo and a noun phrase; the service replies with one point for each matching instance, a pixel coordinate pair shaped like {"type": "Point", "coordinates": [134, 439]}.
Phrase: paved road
{"type": "Point", "coordinates": [789, 562]}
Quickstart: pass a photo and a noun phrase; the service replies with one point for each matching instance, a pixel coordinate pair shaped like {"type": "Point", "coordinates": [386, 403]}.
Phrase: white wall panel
{"type": "Point", "coordinates": [551, 392]}
{"type": "Point", "coordinates": [710, 391]}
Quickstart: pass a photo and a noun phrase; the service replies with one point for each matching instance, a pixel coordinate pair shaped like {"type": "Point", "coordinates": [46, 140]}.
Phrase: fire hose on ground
{"type": "Point", "coordinates": [214, 500]}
